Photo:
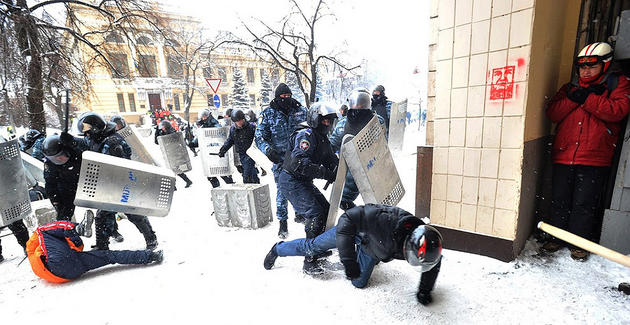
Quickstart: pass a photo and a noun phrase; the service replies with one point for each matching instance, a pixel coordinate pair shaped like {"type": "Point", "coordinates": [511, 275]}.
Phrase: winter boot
{"type": "Point", "coordinates": [117, 236]}
{"type": "Point", "coordinates": [346, 205]}
{"type": "Point", "coordinates": [551, 246]}
{"type": "Point", "coordinates": [270, 259]}
{"type": "Point", "coordinates": [188, 183]}
{"type": "Point", "coordinates": [156, 256]}
{"type": "Point", "coordinates": [152, 243]}
{"type": "Point", "coordinates": [283, 232]}
{"type": "Point", "coordinates": [579, 254]}
{"type": "Point", "coordinates": [298, 218]}
{"type": "Point", "coordinates": [263, 172]}
{"type": "Point", "coordinates": [85, 227]}
{"type": "Point", "coordinates": [311, 267]}
{"type": "Point", "coordinates": [1, 258]}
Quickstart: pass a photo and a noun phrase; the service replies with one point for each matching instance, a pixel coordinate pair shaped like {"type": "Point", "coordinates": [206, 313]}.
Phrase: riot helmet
{"type": "Point", "coordinates": [27, 140]}
{"type": "Point", "coordinates": [228, 113]}
{"type": "Point", "coordinates": [237, 115]}
{"type": "Point", "coordinates": [321, 117]}
{"type": "Point", "coordinates": [378, 92]}
{"type": "Point", "coordinates": [423, 247]}
{"type": "Point", "coordinates": [359, 99]}
{"type": "Point", "coordinates": [205, 114]}
{"type": "Point", "coordinates": [54, 150]}
{"type": "Point", "coordinates": [167, 127]}
{"type": "Point", "coordinates": [119, 120]}
{"type": "Point", "coordinates": [91, 124]}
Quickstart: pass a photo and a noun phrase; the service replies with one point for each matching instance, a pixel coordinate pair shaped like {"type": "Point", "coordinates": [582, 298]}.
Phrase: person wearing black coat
{"type": "Point", "coordinates": [367, 235]}
{"type": "Point", "coordinates": [164, 128]}
{"type": "Point", "coordinates": [241, 137]}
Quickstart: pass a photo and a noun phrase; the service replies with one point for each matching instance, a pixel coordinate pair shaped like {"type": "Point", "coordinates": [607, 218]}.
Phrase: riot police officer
{"type": "Point", "coordinates": [206, 120]}
{"type": "Point", "coordinates": [277, 123]}
{"type": "Point", "coordinates": [165, 127]}
{"type": "Point", "coordinates": [120, 122]}
{"type": "Point", "coordinates": [310, 156]}
{"type": "Point", "coordinates": [33, 139]}
{"type": "Point", "coordinates": [101, 137]}
{"type": "Point", "coordinates": [358, 115]}
{"type": "Point", "coordinates": [241, 137]}
{"type": "Point", "coordinates": [62, 167]}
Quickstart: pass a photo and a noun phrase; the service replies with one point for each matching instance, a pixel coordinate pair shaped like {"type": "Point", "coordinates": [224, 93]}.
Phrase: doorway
{"type": "Point", "coordinates": [155, 102]}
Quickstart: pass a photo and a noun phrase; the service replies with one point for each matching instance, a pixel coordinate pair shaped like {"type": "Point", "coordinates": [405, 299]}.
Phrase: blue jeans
{"type": "Point", "coordinates": [250, 174]}
{"type": "Point", "coordinates": [281, 201]}
{"type": "Point", "coordinates": [325, 242]}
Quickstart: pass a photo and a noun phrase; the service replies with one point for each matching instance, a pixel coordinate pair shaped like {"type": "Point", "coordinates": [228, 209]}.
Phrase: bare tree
{"type": "Point", "coordinates": [49, 46]}
{"type": "Point", "coordinates": [293, 46]}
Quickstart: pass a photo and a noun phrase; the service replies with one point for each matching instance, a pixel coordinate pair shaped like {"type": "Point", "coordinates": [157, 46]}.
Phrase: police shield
{"type": "Point", "coordinates": [14, 200]}
{"type": "Point", "coordinates": [174, 151]}
{"type": "Point", "coordinates": [115, 184]}
{"type": "Point", "coordinates": [138, 151]}
{"type": "Point", "coordinates": [210, 142]}
{"type": "Point", "coordinates": [33, 168]}
{"type": "Point", "coordinates": [397, 123]}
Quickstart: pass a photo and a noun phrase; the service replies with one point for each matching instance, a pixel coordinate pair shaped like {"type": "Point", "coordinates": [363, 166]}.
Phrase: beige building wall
{"type": "Point", "coordinates": [487, 86]}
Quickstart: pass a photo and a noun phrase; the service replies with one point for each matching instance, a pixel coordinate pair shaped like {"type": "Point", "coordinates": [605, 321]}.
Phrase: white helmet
{"type": "Point", "coordinates": [594, 53]}
{"type": "Point", "coordinates": [359, 99]}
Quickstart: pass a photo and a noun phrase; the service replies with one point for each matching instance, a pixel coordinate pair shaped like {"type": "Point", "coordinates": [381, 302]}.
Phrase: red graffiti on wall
{"type": "Point", "coordinates": [502, 86]}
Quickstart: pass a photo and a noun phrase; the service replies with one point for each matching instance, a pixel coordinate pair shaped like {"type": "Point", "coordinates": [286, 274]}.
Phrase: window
{"type": "Point", "coordinates": [121, 102]}
{"type": "Point", "coordinates": [275, 77]}
{"type": "Point", "coordinates": [119, 61]}
{"type": "Point", "coordinates": [176, 100]}
{"type": "Point", "coordinates": [210, 100]}
{"type": "Point", "coordinates": [262, 74]}
{"type": "Point", "coordinates": [174, 68]}
{"type": "Point", "coordinates": [144, 40]}
{"type": "Point", "coordinates": [114, 38]}
{"type": "Point", "coordinates": [224, 100]}
{"type": "Point", "coordinates": [132, 102]}
{"type": "Point", "coordinates": [222, 74]}
{"type": "Point", "coordinates": [252, 100]}
{"type": "Point", "coordinates": [207, 72]}
{"type": "Point", "coordinates": [250, 75]}
{"type": "Point", "coordinates": [147, 66]}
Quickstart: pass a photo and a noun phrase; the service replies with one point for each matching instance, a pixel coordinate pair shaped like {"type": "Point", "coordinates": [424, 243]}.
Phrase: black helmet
{"type": "Point", "coordinates": [91, 123]}
{"type": "Point", "coordinates": [119, 120]}
{"type": "Point", "coordinates": [205, 113]}
{"type": "Point", "coordinates": [359, 99]}
{"type": "Point", "coordinates": [237, 115]}
{"type": "Point", "coordinates": [423, 247]}
{"type": "Point", "coordinates": [228, 112]}
{"type": "Point", "coordinates": [319, 112]}
{"type": "Point", "coordinates": [32, 135]}
{"type": "Point", "coordinates": [167, 126]}
{"type": "Point", "coordinates": [54, 150]}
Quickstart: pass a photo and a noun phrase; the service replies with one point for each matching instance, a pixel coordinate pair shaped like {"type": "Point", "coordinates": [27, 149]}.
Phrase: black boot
{"type": "Point", "coordinates": [283, 232]}
{"type": "Point", "coordinates": [156, 256]}
{"type": "Point", "coordinates": [117, 236]}
{"type": "Point", "coordinates": [298, 218]}
{"type": "Point", "coordinates": [270, 259]}
{"type": "Point", "coordinates": [346, 205]}
{"type": "Point", "coordinates": [311, 267]}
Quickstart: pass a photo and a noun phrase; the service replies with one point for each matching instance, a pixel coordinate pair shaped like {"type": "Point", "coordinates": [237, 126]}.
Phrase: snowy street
{"type": "Point", "coordinates": [215, 275]}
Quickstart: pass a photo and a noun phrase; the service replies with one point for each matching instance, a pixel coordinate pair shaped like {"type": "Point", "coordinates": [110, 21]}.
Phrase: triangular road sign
{"type": "Point", "coordinates": [214, 84]}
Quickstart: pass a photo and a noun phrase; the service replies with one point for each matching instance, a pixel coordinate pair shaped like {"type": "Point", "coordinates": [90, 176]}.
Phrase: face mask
{"type": "Point", "coordinates": [375, 96]}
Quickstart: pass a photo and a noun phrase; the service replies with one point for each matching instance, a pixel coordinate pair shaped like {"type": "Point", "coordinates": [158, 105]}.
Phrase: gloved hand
{"type": "Point", "coordinates": [597, 89]}
{"type": "Point", "coordinates": [66, 139]}
{"type": "Point", "coordinates": [352, 270]}
{"type": "Point", "coordinates": [424, 297]}
{"type": "Point", "coordinates": [579, 95]}
{"type": "Point", "coordinates": [239, 169]}
{"type": "Point", "coordinates": [274, 156]}
{"type": "Point", "coordinates": [221, 153]}
{"type": "Point", "coordinates": [327, 174]}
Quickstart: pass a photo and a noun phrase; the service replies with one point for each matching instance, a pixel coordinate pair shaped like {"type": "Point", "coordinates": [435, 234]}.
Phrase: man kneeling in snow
{"type": "Point", "coordinates": [367, 235]}
{"type": "Point", "coordinates": [55, 252]}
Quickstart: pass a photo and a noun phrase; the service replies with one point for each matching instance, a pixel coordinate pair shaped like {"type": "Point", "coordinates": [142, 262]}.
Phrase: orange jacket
{"type": "Point", "coordinates": [36, 252]}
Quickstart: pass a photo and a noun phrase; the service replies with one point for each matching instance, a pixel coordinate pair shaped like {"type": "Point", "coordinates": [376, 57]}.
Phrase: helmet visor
{"type": "Point", "coordinates": [60, 158]}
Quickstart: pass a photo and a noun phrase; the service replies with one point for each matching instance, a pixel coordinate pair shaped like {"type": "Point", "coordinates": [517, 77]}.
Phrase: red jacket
{"type": "Point", "coordinates": [587, 134]}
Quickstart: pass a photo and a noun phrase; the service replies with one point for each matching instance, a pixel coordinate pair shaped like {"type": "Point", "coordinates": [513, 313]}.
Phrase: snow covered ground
{"type": "Point", "coordinates": [215, 275]}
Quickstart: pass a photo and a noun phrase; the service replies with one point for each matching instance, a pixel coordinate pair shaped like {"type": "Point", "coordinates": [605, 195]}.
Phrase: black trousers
{"type": "Point", "coordinates": [20, 232]}
{"type": "Point", "coordinates": [576, 194]}
{"type": "Point", "coordinates": [105, 224]}
{"type": "Point", "coordinates": [215, 181]}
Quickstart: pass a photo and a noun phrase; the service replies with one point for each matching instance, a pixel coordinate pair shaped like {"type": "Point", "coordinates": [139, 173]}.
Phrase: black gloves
{"type": "Point", "coordinates": [222, 153]}
{"type": "Point", "coordinates": [352, 270]}
{"type": "Point", "coordinates": [66, 139]}
{"type": "Point", "coordinates": [424, 297]}
{"type": "Point", "coordinates": [327, 174]}
{"type": "Point", "coordinates": [239, 169]}
{"type": "Point", "coordinates": [274, 156]}
{"type": "Point", "coordinates": [579, 95]}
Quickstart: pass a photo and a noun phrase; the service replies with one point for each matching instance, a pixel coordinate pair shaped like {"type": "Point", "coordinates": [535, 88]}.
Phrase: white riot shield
{"type": "Point", "coordinates": [116, 184]}
{"type": "Point", "coordinates": [14, 200]}
{"type": "Point", "coordinates": [174, 151]}
{"type": "Point", "coordinates": [397, 123]}
{"type": "Point", "coordinates": [34, 168]}
{"type": "Point", "coordinates": [43, 212]}
{"type": "Point", "coordinates": [138, 151]}
{"type": "Point", "coordinates": [242, 205]}
{"type": "Point", "coordinates": [210, 142]}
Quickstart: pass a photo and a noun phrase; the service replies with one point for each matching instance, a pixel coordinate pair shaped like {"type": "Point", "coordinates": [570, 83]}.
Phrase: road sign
{"type": "Point", "coordinates": [214, 84]}
{"type": "Point", "coordinates": [217, 101]}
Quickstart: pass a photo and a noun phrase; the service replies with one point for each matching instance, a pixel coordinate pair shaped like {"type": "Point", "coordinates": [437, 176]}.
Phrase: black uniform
{"type": "Point", "coordinates": [241, 139]}
{"type": "Point", "coordinates": [170, 129]}
{"type": "Point", "coordinates": [61, 183]}
{"type": "Point", "coordinates": [211, 122]}
{"type": "Point", "coordinates": [111, 143]}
